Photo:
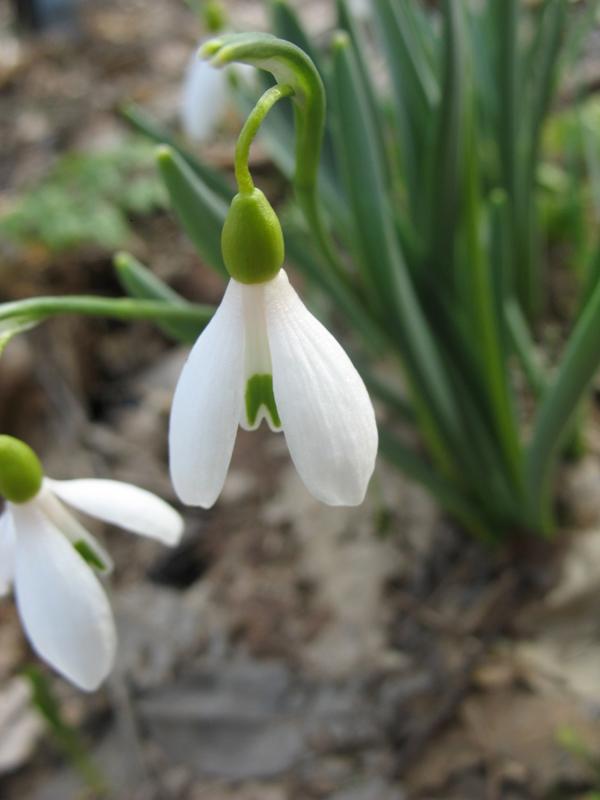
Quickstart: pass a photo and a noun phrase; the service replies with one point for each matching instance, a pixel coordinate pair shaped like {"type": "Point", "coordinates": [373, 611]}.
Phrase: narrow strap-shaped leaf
{"type": "Point", "coordinates": [579, 363]}
{"type": "Point", "coordinates": [482, 36]}
{"type": "Point", "coordinates": [445, 176]}
{"type": "Point", "coordinates": [384, 270]}
{"type": "Point", "coordinates": [301, 253]}
{"type": "Point", "coordinates": [409, 57]}
{"type": "Point", "coordinates": [139, 282]}
{"type": "Point", "coordinates": [414, 467]}
{"type": "Point", "coordinates": [543, 61]}
{"type": "Point", "coordinates": [9, 328]}
{"type": "Point", "coordinates": [415, 88]}
{"type": "Point", "coordinates": [506, 18]}
{"type": "Point", "coordinates": [201, 212]}
{"type": "Point", "coordinates": [591, 275]}
{"type": "Point", "coordinates": [517, 161]}
{"type": "Point", "coordinates": [68, 737]}
{"type": "Point", "coordinates": [144, 123]}
{"type": "Point", "coordinates": [426, 32]}
{"type": "Point", "coordinates": [499, 249]}
{"type": "Point", "coordinates": [37, 309]}
{"type": "Point", "coordinates": [381, 389]}
{"type": "Point", "coordinates": [504, 21]}
{"type": "Point", "coordinates": [485, 317]}
{"type": "Point", "coordinates": [524, 347]}
{"type": "Point", "coordinates": [363, 168]}
{"type": "Point", "coordinates": [347, 23]}
{"type": "Point", "coordinates": [482, 468]}
{"type": "Point", "coordinates": [287, 25]}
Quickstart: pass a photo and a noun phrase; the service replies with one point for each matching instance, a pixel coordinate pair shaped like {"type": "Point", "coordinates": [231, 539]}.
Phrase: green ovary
{"type": "Point", "coordinates": [259, 392]}
{"type": "Point", "coordinates": [20, 471]}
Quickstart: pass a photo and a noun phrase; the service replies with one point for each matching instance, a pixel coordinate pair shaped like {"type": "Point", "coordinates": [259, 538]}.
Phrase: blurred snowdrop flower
{"type": "Point", "coordinates": [51, 559]}
{"type": "Point", "coordinates": [206, 96]}
{"type": "Point", "coordinates": [361, 8]}
{"type": "Point", "coordinates": [265, 356]}
{"type": "Point", "coordinates": [203, 100]}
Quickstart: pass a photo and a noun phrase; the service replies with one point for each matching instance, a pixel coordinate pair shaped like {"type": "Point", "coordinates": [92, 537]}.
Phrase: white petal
{"type": "Point", "coordinates": [63, 608]}
{"type": "Point", "coordinates": [257, 358]}
{"type": "Point", "coordinates": [207, 405]}
{"type": "Point", "coordinates": [123, 505]}
{"type": "Point", "coordinates": [326, 413]}
{"type": "Point", "coordinates": [7, 553]}
{"type": "Point", "coordinates": [71, 527]}
{"type": "Point", "coordinates": [204, 99]}
{"type": "Point", "coordinates": [244, 74]}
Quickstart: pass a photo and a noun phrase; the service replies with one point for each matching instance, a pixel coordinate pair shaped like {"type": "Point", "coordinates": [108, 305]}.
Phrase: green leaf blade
{"type": "Point", "coordinates": [201, 213]}
{"type": "Point", "coordinates": [139, 282]}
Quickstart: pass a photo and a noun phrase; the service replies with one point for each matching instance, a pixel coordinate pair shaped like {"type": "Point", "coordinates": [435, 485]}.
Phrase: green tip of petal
{"type": "Point", "coordinates": [259, 392]}
{"type": "Point", "coordinates": [215, 17]}
{"type": "Point", "coordinates": [211, 47]}
{"type": "Point", "coordinates": [21, 472]}
{"type": "Point", "coordinates": [121, 261]}
{"type": "Point", "coordinates": [90, 556]}
{"type": "Point", "coordinates": [163, 153]}
{"type": "Point", "coordinates": [340, 40]}
{"type": "Point", "coordinates": [252, 239]}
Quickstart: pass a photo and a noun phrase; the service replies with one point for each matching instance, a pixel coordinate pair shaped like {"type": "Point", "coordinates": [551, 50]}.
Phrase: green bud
{"type": "Point", "coordinates": [252, 239]}
{"type": "Point", "coordinates": [20, 470]}
{"type": "Point", "coordinates": [215, 18]}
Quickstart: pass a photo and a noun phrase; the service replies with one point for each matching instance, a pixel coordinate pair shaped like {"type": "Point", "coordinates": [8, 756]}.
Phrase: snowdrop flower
{"type": "Point", "coordinates": [265, 356]}
{"type": "Point", "coordinates": [205, 93]}
{"type": "Point", "coordinates": [203, 100]}
{"type": "Point", "coordinates": [361, 8]}
{"type": "Point", "coordinates": [51, 559]}
{"type": "Point", "coordinates": [205, 97]}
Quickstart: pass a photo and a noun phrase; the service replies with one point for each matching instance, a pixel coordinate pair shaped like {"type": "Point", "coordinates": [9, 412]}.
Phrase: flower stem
{"type": "Point", "coordinates": [249, 131]}
{"type": "Point", "coordinates": [39, 308]}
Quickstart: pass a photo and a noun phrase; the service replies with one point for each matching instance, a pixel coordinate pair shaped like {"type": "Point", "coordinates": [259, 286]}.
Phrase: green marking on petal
{"type": "Point", "coordinates": [90, 556]}
{"type": "Point", "coordinates": [259, 392]}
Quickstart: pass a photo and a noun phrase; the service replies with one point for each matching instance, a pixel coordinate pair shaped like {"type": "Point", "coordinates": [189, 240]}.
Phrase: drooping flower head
{"type": "Point", "coordinates": [53, 561]}
{"type": "Point", "coordinates": [265, 356]}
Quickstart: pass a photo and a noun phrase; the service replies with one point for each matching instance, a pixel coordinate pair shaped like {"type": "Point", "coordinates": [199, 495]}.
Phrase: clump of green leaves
{"type": "Point", "coordinates": [424, 220]}
{"type": "Point", "coordinates": [88, 198]}
{"type": "Point", "coordinates": [425, 230]}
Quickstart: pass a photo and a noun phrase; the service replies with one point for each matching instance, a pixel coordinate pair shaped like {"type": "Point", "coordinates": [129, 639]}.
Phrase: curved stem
{"type": "Point", "coordinates": [249, 131]}
{"type": "Point", "coordinates": [309, 203]}
{"type": "Point", "coordinates": [40, 308]}
{"type": "Point", "coordinates": [290, 66]}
